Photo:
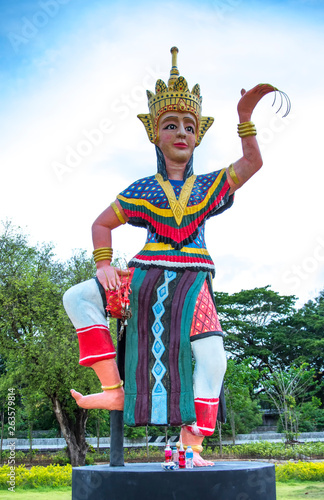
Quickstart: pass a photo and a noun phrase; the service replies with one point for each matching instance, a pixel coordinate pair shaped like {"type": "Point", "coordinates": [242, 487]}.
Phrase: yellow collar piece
{"type": "Point", "coordinates": [179, 206]}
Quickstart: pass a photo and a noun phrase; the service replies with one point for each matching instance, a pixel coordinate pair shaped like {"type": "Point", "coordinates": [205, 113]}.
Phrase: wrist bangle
{"type": "Point", "coordinates": [246, 129]}
{"type": "Point", "coordinates": [105, 253]}
{"type": "Point", "coordinates": [110, 387]}
{"type": "Point", "coordinates": [233, 175]}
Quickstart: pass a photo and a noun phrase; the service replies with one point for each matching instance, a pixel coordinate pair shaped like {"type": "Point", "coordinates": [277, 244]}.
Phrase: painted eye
{"type": "Point", "coordinates": [190, 129]}
{"type": "Point", "coordinates": [171, 126]}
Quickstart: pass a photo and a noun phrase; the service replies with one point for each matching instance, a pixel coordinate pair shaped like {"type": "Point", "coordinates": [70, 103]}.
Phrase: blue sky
{"type": "Point", "coordinates": [76, 71]}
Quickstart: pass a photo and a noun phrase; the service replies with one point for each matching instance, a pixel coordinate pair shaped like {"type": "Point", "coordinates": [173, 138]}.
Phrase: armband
{"type": "Point", "coordinates": [118, 213]}
{"type": "Point", "coordinates": [233, 175]}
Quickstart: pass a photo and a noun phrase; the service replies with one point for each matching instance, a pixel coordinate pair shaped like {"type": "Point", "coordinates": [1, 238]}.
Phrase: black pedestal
{"type": "Point", "coordinates": [223, 481]}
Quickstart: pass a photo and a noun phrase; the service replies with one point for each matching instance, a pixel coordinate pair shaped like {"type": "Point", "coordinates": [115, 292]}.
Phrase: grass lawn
{"type": "Point", "coordinates": [285, 491]}
{"type": "Point", "coordinates": [302, 489]}
{"type": "Point", "coordinates": [38, 494]}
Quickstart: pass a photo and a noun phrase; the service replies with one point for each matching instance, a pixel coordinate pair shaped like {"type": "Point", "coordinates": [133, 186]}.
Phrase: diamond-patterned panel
{"type": "Point", "coordinates": [159, 412]}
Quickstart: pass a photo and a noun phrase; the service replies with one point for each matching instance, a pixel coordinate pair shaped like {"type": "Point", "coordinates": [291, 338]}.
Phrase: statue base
{"type": "Point", "coordinates": [223, 481]}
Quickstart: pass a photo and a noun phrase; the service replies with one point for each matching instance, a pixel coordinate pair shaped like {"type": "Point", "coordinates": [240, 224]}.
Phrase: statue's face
{"type": "Point", "coordinates": [177, 136]}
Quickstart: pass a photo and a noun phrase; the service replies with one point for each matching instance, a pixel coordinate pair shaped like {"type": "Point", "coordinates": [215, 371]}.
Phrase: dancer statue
{"type": "Point", "coordinates": [172, 302]}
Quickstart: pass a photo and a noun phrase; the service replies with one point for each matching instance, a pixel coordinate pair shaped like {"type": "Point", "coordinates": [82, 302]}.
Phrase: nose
{"type": "Point", "coordinates": [181, 131]}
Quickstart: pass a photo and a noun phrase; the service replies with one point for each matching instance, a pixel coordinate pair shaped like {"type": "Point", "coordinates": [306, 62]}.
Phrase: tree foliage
{"type": "Point", "coordinates": [39, 348]}
{"type": "Point", "coordinates": [305, 334]}
{"type": "Point", "coordinates": [265, 328]}
{"type": "Point", "coordinates": [253, 324]}
{"type": "Point", "coordinates": [287, 389]}
{"type": "Point", "coordinates": [243, 413]}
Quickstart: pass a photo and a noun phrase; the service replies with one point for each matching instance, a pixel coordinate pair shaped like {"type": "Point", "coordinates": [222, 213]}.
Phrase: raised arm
{"type": "Point", "coordinates": [251, 161]}
{"type": "Point", "coordinates": [102, 227]}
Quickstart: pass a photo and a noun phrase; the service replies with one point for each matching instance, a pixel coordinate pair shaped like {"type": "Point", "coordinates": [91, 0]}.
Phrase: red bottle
{"type": "Point", "coordinates": [182, 457]}
{"type": "Point", "coordinates": [167, 453]}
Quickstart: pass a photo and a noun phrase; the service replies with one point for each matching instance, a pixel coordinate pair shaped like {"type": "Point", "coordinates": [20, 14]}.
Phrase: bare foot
{"type": "Point", "coordinates": [106, 400]}
{"type": "Point", "coordinates": [188, 438]}
{"type": "Point", "coordinates": [198, 461]}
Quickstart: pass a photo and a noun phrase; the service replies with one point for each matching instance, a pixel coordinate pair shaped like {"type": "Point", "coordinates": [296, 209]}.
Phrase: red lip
{"type": "Point", "coordinates": [181, 145]}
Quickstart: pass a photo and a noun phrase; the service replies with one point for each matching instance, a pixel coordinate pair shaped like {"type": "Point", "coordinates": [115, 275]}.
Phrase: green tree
{"type": "Point", "coordinates": [265, 327]}
{"type": "Point", "coordinates": [311, 416]}
{"type": "Point", "coordinates": [243, 411]}
{"type": "Point", "coordinates": [39, 348]}
{"type": "Point", "coordinates": [305, 338]}
{"type": "Point", "coordinates": [254, 324]}
{"type": "Point", "coordinates": [287, 389]}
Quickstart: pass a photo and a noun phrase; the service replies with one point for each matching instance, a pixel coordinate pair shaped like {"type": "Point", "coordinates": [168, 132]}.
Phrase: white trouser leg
{"type": "Point", "coordinates": [210, 366]}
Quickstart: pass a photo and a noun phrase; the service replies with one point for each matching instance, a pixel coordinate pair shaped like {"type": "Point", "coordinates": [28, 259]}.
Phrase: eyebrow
{"type": "Point", "coordinates": [188, 118]}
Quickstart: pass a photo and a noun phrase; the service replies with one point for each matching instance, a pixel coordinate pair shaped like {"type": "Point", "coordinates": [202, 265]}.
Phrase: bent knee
{"type": "Point", "coordinates": [76, 297]}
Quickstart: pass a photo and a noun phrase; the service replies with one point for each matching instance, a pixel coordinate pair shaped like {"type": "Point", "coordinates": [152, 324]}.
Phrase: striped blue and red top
{"type": "Point", "coordinates": [174, 214]}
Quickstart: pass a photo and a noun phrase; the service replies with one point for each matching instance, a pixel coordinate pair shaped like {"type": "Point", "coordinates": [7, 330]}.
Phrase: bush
{"type": "Point", "coordinates": [51, 476]}
{"type": "Point", "coordinates": [267, 450]}
{"type": "Point", "coordinates": [89, 460]}
{"type": "Point", "coordinates": [141, 453]}
{"type": "Point", "coordinates": [60, 458]}
{"type": "Point", "coordinates": [20, 456]}
{"type": "Point", "coordinates": [301, 471]}
{"type": "Point", "coordinates": [91, 449]}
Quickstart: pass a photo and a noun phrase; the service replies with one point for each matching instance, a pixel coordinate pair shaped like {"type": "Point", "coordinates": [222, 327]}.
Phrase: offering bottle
{"type": "Point", "coordinates": [167, 453]}
{"type": "Point", "coordinates": [189, 458]}
{"type": "Point", "coordinates": [175, 456]}
{"type": "Point", "coordinates": [182, 457]}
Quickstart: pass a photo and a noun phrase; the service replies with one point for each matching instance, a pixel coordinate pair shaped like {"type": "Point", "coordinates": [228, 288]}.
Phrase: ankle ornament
{"type": "Point", "coordinates": [195, 447]}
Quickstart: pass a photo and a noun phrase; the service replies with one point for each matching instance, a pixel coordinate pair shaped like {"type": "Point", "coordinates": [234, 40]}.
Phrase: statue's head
{"type": "Point", "coordinates": [174, 97]}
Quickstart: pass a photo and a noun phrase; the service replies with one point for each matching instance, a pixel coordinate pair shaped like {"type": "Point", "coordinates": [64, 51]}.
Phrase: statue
{"type": "Point", "coordinates": [173, 310]}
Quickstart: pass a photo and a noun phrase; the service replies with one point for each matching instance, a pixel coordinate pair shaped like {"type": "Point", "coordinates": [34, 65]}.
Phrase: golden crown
{"type": "Point", "coordinates": [174, 97]}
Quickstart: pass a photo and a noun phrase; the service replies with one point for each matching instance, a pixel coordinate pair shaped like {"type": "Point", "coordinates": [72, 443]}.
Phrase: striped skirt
{"type": "Point", "coordinates": [158, 364]}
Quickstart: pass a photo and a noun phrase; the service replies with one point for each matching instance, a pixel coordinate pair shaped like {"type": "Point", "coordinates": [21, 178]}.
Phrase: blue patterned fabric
{"type": "Point", "coordinates": [159, 409]}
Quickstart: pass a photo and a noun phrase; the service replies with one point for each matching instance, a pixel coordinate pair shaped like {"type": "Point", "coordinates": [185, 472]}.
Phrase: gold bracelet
{"type": "Point", "coordinates": [117, 212]}
{"type": "Point", "coordinates": [103, 257]}
{"type": "Point", "coordinates": [246, 129]}
{"type": "Point", "coordinates": [109, 388]}
{"type": "Point", "coordinates": [105, 253]}
{"type": "Point", "coordinates": [102, 252]}
{"type": "Point", "coordinates": [233, 175]}
{"type": "Point", "coordinates": [247, 134]}
{"type": "Point", "coordinates": [102, 249]}
{"type": "Point", "coordinates": [243, 125]}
